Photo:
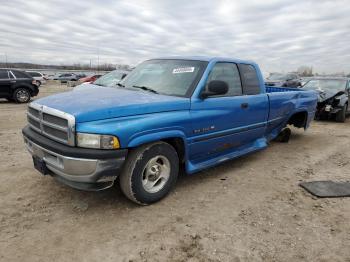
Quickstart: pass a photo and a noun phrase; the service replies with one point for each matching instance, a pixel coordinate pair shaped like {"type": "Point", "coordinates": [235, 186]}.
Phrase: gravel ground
{"type": "Point", "coordinates": [249, 209]}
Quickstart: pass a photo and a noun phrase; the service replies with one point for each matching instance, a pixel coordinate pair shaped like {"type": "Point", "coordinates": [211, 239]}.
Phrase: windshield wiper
{"type": "Point", "coordinates": [119, 84]}
{"type": "Point", "coordinates": [146, 89]}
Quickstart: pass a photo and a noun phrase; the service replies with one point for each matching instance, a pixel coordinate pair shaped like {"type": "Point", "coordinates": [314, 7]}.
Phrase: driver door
{"type": "Point", "coordinates": [232, 121]}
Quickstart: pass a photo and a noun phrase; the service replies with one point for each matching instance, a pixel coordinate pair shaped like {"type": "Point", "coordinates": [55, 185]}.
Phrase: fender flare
{"type": "Point", "coordinates": [156, 136]}
{"type": "Point", "coordinates": [304, 111]}
{"type": "Point", "coordinates": [22, 85]}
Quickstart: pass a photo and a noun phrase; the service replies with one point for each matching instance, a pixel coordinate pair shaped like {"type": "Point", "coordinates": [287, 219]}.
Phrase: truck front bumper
{"type": "Point", "coordinates": [81, 168]}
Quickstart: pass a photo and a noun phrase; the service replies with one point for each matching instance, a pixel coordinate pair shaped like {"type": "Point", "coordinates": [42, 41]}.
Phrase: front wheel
{"type": "Point", "coordinates": [150, 172]}
{"type": "Point", "coordinates": [341, 115]}
{"type": "Point", "coordinates": [21, 95]}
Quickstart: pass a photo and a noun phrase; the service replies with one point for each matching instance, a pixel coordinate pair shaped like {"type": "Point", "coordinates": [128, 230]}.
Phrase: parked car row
{"type": "Point", "coordinates": [333, 93]}
{"type": "Point", "coordinates": [20, 86]}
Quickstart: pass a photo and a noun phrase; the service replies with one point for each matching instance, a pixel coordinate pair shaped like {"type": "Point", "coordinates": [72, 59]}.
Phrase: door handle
{"type": "Point", "coordinates": [13, 81]}
{"type": "Point", "coordinates": [244, 105]}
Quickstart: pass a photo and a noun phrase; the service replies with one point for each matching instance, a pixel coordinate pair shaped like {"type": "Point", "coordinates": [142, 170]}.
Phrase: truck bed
{"type": "Point", "coordinates": [285, 102]}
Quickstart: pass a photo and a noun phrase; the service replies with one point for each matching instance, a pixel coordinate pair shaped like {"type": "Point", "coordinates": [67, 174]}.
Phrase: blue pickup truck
{"type": "Point", "coordinates": [167, 115]}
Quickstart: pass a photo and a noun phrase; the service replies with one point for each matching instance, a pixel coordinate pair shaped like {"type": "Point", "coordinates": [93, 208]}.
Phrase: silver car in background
{"type": "Point", "coordinates": [39, 77]}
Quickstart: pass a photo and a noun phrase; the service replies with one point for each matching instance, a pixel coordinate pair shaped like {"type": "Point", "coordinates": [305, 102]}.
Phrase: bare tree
{"type": "Point", "coordinates": [305, 71]}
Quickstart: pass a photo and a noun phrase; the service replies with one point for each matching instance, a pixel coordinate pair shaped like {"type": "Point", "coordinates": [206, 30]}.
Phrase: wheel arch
{"type": "Point", "coordinates": [299, 119]}
{"type": "Point", "coordinates": [175, 138]}
{"type": "Point", "coordinates": [30, 89]}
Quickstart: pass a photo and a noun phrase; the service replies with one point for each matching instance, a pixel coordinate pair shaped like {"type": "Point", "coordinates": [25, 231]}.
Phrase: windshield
{"type": "Point", "coordinates": [277, 77]}
{"type": "Point", "coordinates": [168, 77]}
{"type": "Point", "coordinates": [110, 79]}
{"type": "Point", "coordinates": [326, 85]}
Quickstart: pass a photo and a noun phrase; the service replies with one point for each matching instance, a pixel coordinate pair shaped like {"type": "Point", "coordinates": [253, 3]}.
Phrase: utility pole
{"type": "Point", "coordinates": [98, 59]}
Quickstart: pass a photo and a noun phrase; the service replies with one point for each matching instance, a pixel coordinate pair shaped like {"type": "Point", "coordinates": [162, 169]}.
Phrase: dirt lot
{"type": "Point", "coordinates": [249, 209]}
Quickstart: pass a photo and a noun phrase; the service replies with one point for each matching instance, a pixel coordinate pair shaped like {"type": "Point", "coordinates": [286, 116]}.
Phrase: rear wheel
{"type": "Point", "coordinates": [150, 172]}
{"type": "Point", "coordinates": [341, 115]}
{"type": "Point", "coordinates": [21, 95]}
{"type": "Point", "coordinates": [284, 135]}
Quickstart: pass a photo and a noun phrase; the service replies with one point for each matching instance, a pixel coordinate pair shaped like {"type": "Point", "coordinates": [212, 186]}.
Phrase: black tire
{"type": "Point", "coordinates": [284, 135]}
{"type": "Point", "coordinates": [137, 171]}
{"type": "Point", "coordinates": [21, 95]}
{"type": "Point", "coordinates": [341, 115]}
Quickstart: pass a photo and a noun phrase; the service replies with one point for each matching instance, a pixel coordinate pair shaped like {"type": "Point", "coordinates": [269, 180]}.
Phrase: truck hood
{"type": "Point", "coordinates": [325, 95]}
{"type": "Point", "coordinates": [107, 102]}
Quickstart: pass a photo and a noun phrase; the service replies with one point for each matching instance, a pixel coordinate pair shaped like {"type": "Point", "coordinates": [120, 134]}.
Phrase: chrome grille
{"type": "Point", "coordinates": [55, 120]}
{"type": "Point", "coordinates": [52, 123]}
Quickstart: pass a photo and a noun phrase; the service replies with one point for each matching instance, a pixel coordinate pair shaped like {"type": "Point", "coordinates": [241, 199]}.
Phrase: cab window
{"type": "Point", "coordinates": [227, 72]}
{"type": "Point", "coordinates": [250, 79]}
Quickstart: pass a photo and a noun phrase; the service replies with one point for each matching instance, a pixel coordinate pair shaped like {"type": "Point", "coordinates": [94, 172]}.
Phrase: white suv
{"type": "Point", "coordinates": [39, 77]}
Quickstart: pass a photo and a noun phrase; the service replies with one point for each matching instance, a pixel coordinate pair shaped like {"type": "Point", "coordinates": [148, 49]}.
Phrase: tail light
{"type": "Point", "coordinates": [34, 82]}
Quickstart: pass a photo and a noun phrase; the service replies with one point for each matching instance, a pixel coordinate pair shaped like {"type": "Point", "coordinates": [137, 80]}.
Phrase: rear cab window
{"type": "Point", "coordinates": [250, 80]}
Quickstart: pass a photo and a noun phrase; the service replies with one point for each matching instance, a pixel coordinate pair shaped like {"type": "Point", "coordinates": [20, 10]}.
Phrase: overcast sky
{"type": "Point", "coordinates": [279, 35]}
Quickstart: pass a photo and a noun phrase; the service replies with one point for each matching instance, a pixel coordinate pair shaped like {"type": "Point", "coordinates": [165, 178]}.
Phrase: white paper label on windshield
{"type": "Point", "coordinates": [183, 70]}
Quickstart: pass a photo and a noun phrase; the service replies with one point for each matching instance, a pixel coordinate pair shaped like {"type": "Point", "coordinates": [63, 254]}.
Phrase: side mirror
{"type": "Point", "coordinates": [215, 88]}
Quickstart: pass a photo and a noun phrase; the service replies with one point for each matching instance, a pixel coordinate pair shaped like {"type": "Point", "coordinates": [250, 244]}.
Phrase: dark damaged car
{"type": "Point", "coordinates": [283, 80]}
{"type": "Point", "coordinates": [333, 97]}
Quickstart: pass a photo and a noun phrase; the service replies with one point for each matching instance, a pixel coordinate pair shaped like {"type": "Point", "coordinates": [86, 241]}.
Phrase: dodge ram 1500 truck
{"type": "Point", "coordinates": [187, 113]}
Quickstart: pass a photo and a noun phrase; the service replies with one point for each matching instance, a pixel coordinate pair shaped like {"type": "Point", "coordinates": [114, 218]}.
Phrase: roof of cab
{"type": "Point", "coordinates": [207, 59]}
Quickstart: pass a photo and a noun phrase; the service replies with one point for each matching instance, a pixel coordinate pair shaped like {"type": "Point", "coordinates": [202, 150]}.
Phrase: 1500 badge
{"type": "Point", "coordinates": [204, 129]}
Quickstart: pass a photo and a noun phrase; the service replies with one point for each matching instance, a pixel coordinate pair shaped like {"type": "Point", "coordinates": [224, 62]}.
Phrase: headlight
{"type": "Point", "coordinates": [97, 141]}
